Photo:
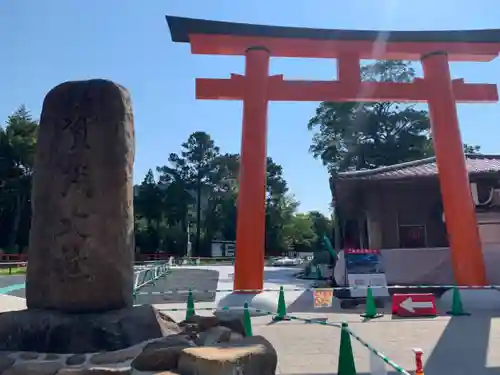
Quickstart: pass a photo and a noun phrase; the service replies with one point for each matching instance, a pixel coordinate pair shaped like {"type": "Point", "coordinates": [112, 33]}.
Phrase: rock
{"type": "Point", "coordinates": [166, 317]}
{"type": "Point", "coordinates": [234, 324]}
{"type": "Point", "coordinates": [81, 246]}
{"type": "Point", "coordinates": [168, 341]}
{"type": "Point", "coordinates": [116, 356]}
{"type": "Point", "coordinates": [76, 359]}
{"type": "Point", "coordinates": [191, 331]}
{"type": "Point", "coordinates": [235, 336]}
{"type": "Point", "coordinates": [214, 336]}
{"type": "Point", "coordinates": [49, 331]}
{"type": "Point", "coordinates": [34, 368]}
{"type": "Point", "coordinates": [172, 327]}
{"type": "Point", "coordinates": [158, 359]}
{"type": "Point", "coordinates": [5, 362]}
{"type": "Point", "coordinates": [250, 356]}
{"type": "Point", "coordinates": [169, 322]}
{"type": "Point", "coordinates": [203, 322]}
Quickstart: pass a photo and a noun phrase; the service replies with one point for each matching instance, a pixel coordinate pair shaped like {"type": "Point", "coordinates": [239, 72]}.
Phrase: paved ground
{"type": "Point", "coordinates": [12, 285]}
{"type": "Point", "coordinates": [459, 346]}
{"type": "Point", "coordinates": [181, 279]}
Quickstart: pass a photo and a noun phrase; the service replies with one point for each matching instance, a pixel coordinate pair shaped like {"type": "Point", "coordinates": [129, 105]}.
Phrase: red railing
{"type": "Point", "coordinates": [138, 257]}
{"type": "Point", "coordinates": [13, 257]}
{"type": "Point", "coordinates": [149, 257]}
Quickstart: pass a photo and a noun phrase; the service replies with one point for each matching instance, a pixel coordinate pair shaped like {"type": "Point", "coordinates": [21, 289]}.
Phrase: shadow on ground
{"type": "Point", "coordinates": [463, 347]}
{"type": "Point", "coordinates": [203, 283]}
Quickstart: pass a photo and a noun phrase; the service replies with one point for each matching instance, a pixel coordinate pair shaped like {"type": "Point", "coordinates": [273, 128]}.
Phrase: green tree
{"type": "Point", "coordinates": [299, 233]}
{"type": "Point", "coordinates": [220, 215]}
{"type": "Point", "coordinates": [351, 136]}
{"type": "Point", "coordinates": [322, 226]}
{"type": "Point", "coordinates": [178, 203]}
{"type": "Point", "coordinates": [468, 149]}
{"type": "Point", "coordinates": [17, 151]}
{"type": "Point", "coordinates": [149, 206]}
{"type": "Point", "coordinates": [195, 164]}
{"type": "Point", "coordinates": [280, 207]}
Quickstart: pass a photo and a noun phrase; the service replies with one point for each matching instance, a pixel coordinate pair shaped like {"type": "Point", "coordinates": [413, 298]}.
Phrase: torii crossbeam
{"type": "Point", "coordinates": [256, 88]}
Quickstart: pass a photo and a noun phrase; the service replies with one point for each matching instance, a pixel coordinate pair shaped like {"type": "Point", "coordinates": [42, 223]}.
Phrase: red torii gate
{"type": "Point", "coordinates": [256, 88]}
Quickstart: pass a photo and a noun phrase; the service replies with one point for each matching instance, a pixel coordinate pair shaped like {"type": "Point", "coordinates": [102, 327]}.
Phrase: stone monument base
{"type": "Point", "coordinates": [49, 331]}
{"type": "Point", "coordinates": [200, 345]}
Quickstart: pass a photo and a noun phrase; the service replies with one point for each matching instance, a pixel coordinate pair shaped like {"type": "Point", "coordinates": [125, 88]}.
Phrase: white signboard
{"type": "Point", "coordinates": [364, 268]}
{"type": "Point", "coordinates": [378, 281]}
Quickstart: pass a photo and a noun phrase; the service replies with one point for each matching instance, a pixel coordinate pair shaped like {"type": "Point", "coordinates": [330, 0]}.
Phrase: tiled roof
{"type": "Point", "coordinates": [422, 168]}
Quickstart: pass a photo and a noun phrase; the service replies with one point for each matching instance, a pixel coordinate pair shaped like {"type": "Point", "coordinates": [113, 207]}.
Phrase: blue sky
{"type": "Point", "coordinates": [43, 43]}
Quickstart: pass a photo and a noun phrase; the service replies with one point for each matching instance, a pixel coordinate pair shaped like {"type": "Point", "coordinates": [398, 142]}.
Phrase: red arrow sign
{"type": "Point", "coordinates": [414, 305]}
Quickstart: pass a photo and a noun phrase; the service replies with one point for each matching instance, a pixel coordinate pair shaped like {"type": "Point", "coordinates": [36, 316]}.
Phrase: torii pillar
{"type": "Point", "coordinates": [256, 88]}
{"type": "Point", "coordinates": [249, 265]}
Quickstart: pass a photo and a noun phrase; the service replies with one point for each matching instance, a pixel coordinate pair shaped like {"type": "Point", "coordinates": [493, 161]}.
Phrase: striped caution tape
{"type": "Point", "coordinates": [180, 291]}
{"type": "Point", "coordinates": [380, 355]}
{"type": "Point", "coordinates": [263, 312]}
{"type": "Point", "coordinates": [226, 308]}
{"type": "Point", "coordinates": [197, 309]}
{"type": "Point", "coordinates": [313, 321]}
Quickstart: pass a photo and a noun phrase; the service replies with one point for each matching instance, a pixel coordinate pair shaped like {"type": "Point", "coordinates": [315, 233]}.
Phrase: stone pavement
{"type": "Point", "coordinates": [455, 346]}
{"type": "Point", "coordinates": [452, 345]}
{"type": "Point", "coordinates": [458, 346]}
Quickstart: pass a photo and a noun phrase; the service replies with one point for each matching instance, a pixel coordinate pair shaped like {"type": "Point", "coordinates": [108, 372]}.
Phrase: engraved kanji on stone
{"type": "Point", "coordinates": [73, 248]}
{"type": "Point", "coordinates": [75, 172]}
{"type": "Point", "coordinates": [78, 128]}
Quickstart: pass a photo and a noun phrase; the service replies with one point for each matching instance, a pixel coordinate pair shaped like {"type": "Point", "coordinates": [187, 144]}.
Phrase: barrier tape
{"type": "Point", "coordinates": [181, 291]}
{"type": "Point", "coordinates": [380, 355]}
{"type": "Point", "coordinates": [196, 309]}
{"type": "Point", "coordinates": [263, 312]}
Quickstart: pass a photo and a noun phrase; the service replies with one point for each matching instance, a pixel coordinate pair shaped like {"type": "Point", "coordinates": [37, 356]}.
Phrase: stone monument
{"type": "Point", "coordinates": [82, 237]}
{"type": "Point", "coordinates": [79, 284]}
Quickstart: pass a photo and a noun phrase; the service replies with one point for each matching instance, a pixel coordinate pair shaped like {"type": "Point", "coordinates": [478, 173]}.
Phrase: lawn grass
{"type": "Point", "coordinates": [12, 271]}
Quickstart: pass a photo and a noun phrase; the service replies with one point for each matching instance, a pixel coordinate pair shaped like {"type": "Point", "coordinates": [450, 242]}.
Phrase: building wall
{"type": "Point", "coordinates": [405, 203]}
{"type": "Point", "coordinates": [386, 205]}
{"type": "Point", "coordinates": [390, 204]}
